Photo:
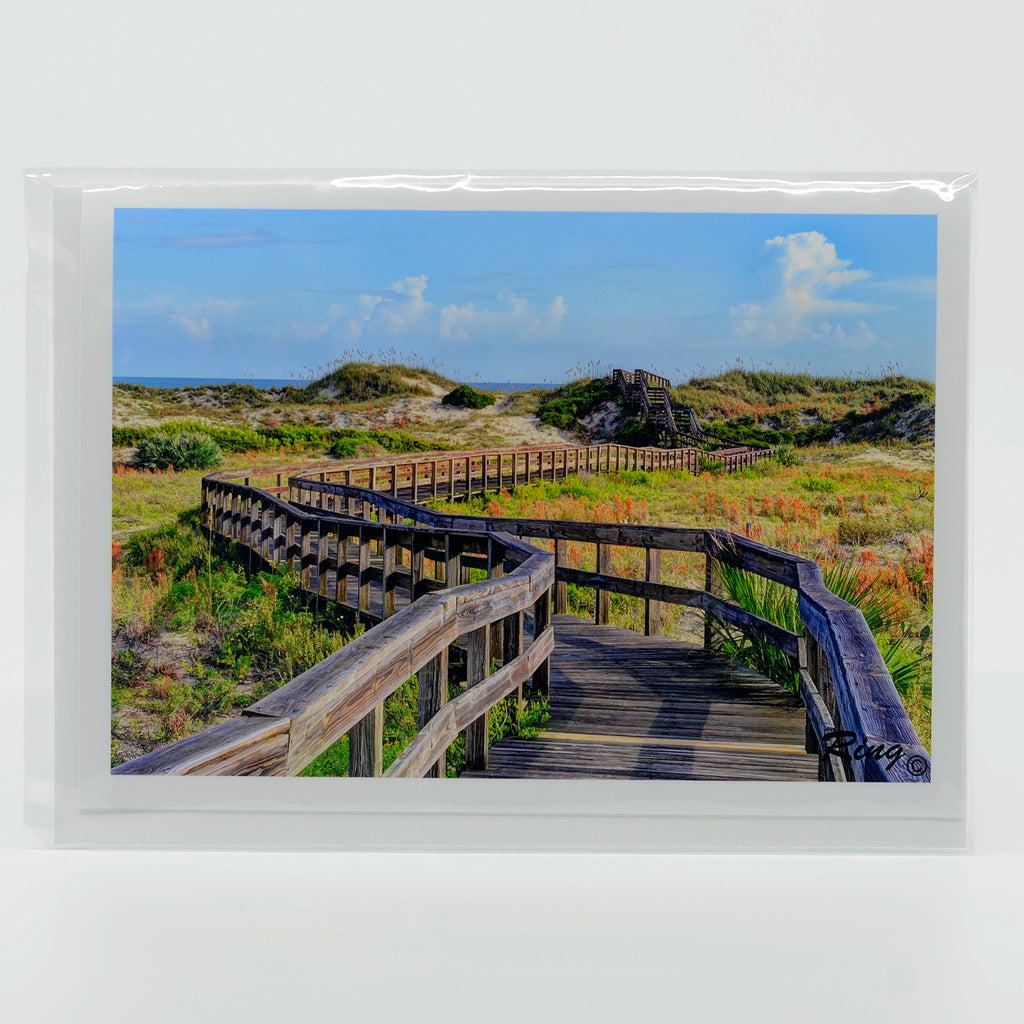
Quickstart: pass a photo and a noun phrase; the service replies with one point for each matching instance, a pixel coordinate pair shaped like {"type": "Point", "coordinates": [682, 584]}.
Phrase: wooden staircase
{"type": "Point", "coordinates": [648, 395]}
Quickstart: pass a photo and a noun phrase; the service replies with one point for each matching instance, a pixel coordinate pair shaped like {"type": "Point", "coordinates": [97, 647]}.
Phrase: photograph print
{"type": "Point", "coordinates": [523, 495]}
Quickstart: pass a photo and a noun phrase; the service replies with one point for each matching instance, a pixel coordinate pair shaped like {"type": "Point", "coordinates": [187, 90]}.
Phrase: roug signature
{"type": "Point", "coordinates": [839, 741]}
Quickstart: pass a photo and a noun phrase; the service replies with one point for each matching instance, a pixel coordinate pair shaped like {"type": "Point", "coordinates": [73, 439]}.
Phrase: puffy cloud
{"type": "Point", "coordinates": [409, 311]}
{"type": "Point", "coordinates": [810, 274]}
{"type": "Point", "coordinates": [197, 329]}
{"type": "Point", "coordinates": [518, 317]}
{"type": "Point", "coordinates": [309, 332]}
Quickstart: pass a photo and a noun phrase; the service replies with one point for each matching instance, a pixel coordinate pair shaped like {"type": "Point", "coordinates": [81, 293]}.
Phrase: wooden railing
{"type": "Point", "coordinates": [344, 693]}
{"type": "Point", "coordinates": [857, 723]}
{"type": "Point", "coordinates": [341, 518]}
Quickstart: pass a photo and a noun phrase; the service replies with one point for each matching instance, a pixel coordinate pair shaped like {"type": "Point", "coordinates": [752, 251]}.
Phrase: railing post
{"type": "Point", "coordinates": [341, 570]}
{"type": "Point", "coordinates": [652, 608]}
{"type": "Point", "coordinates": [323, 558]}
{"type": "Point", "coordinates": [366, 746]}
{"type": "Point", "coordinates": [495, 570]}
{"type": "Point", "coordinates": [305, 554]}
{"type": "Point", "coordinates": [561, 588]}
{"type": "Point", "coordinates": [709, 580]}
{"type": "Point", "coordinates": [266, 532]}
{"type": "Point", "coordinates": [416, 573]}
{"type": "Point", "coordinates": [512, 647]}
{"type": "Point", "coordinates": [364, 569]}
{"type": "Point", "coordinates": [451, 479]}
{"type": "Point", "coordinates": [478, 666]}
{"type": "Point", "coordinates": [603, 597]}
{"type": "Point", "coordinates": [452, 562]}
{"type": "Point", "coordinates": [540, 683]}
{"type": "Point", "coordinates": [432, 682]}
{"type": "Point", "coordinates": [433, 478]}
{"type": "Point", "coordinates": [387, 547]}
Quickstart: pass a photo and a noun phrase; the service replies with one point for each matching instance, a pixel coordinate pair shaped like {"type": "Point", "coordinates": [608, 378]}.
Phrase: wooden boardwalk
{"type": "Point", "coordinates": [622, 705]}
{"type": "Point", "coordinates": [630, 706]}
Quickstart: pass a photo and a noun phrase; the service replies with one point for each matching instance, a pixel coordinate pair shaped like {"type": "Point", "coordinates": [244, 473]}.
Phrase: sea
{"type": "Point", "coordinates": [278, 382]}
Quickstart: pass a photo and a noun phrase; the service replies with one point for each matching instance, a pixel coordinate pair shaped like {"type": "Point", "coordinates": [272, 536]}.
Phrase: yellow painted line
{"type": "Point", "coordinates": [646, 741]}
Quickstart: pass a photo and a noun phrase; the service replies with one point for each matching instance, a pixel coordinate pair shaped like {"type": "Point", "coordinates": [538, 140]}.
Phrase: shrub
{"type": "Point", "coordinates": [343, 448]}
{"type": "Point", "coordinates": [465, 397]}
{"type": "Point", "coordinates": [185, 451]}
{"type": "Point", "coordinates": [785, 456]}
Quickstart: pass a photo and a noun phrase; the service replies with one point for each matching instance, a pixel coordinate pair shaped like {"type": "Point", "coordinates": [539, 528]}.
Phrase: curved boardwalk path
{"type": "Point", "coordinates": [630, 706]}
{"type": "Point", "coordinates": [623, 704]}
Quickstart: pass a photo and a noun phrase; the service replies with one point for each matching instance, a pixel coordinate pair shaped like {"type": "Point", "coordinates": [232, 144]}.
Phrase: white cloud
{"type": "Point", "coordinates": [197, 329]}
{"type": "Point", "coordinates": [518, 318]}
{"type": "Point", "coordinates": [336, 312]}
{"type": "Point", "coordinates": [810, 274]}
{"type": "Point", "coordinates": [367, 304]}
{"type": "Point", "coordinates": [918, 286]}
{"type": "Point", "coordinates": [309, 332]}
{"type": "Point", "coordinates": [860, 336]}
{"type": "Point", "coordinates": [410, 311]}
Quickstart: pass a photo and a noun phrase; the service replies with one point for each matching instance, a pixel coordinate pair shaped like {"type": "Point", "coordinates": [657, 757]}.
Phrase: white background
{"type": "Point", "coordinates": [541, 86]}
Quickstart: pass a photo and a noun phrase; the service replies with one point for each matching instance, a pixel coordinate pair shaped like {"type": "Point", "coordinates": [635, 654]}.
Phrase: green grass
{"type": "Point", "coordinates": [195, 640]}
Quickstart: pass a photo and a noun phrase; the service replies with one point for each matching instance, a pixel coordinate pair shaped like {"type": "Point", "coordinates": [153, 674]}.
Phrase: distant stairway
{"type": "Point", "coordinates": [647, 394]}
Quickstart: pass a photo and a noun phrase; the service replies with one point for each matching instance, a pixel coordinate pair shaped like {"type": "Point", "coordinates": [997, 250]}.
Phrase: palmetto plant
{"type": "Point", "coordinates": [180, 451]}
{"type": "Point", "coordinates": [778, 604]}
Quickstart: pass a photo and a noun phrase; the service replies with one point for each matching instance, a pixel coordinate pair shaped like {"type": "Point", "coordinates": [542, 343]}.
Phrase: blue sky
{"type": "Point", "coordinates": [520, 296]}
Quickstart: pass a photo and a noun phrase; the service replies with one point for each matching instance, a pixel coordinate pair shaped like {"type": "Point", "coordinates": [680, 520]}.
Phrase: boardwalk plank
{"type": "Point", "coordinates": [624, 705]}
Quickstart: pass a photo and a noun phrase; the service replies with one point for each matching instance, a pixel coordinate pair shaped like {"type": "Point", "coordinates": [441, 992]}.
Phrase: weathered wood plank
{"type": "Point", "coordinates": [467, 708]}
{"type": "Point", "coordinates": [366, 745]}
{"type": "Point", "coordinates": [634, 588]}
{"type": "Point", "coordinates": [478, 667]}
{"type": "Point", "coordinates": [241, 746]}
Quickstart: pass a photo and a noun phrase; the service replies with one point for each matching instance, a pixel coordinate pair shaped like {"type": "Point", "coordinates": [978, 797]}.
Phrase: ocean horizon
{"type": "Point", "coordinates": [267, 383]}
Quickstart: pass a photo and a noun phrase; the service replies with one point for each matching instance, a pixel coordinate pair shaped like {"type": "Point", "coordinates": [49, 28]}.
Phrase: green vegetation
{"type": "Point", "coordinates": [272, 439]}
{"type": "Point", "coordinates": [465, 397]}
{"type": "Point", "coordinates": [195, 640]}
{"type": "Point", "coordinates": [182, 451]}
{"type": "Point", "coordinates": [565, 406]}
{"type": "Point", "coordinates": [368, 381]}
{"type": "Point", "coordinates": [778, 604]}
{"type": "Point", "coordinates": [769, 407]}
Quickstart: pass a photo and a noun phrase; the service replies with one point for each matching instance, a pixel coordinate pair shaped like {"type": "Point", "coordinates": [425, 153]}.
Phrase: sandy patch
{"type": "Point", "coordinates": [902, 458]}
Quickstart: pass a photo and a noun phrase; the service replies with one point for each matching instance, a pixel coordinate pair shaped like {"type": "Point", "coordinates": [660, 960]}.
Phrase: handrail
{"type": "Point", "coordinates": [838, 653]}
{"type": "Point", "coordinates": [844, 683]}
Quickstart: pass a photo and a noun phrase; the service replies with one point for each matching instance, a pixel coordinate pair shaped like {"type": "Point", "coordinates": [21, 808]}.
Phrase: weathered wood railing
{"type": "Point", "coordinates": [342, 517]}
{"type": "Point", "coordinates": [844, 683]}
{"type": "Point", "coordinates": [344, 693]}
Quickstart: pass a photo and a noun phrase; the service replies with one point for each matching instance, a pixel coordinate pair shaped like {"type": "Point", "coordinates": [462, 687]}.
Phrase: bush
{"type": "Point", "coordinates": [185, 451]}
{"type": "Point", "coordinates": [343, 448]}
{"type": "Point", "coordinates": [785, 456]}
{"type": "Point", "coordinates": [465, 397]}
